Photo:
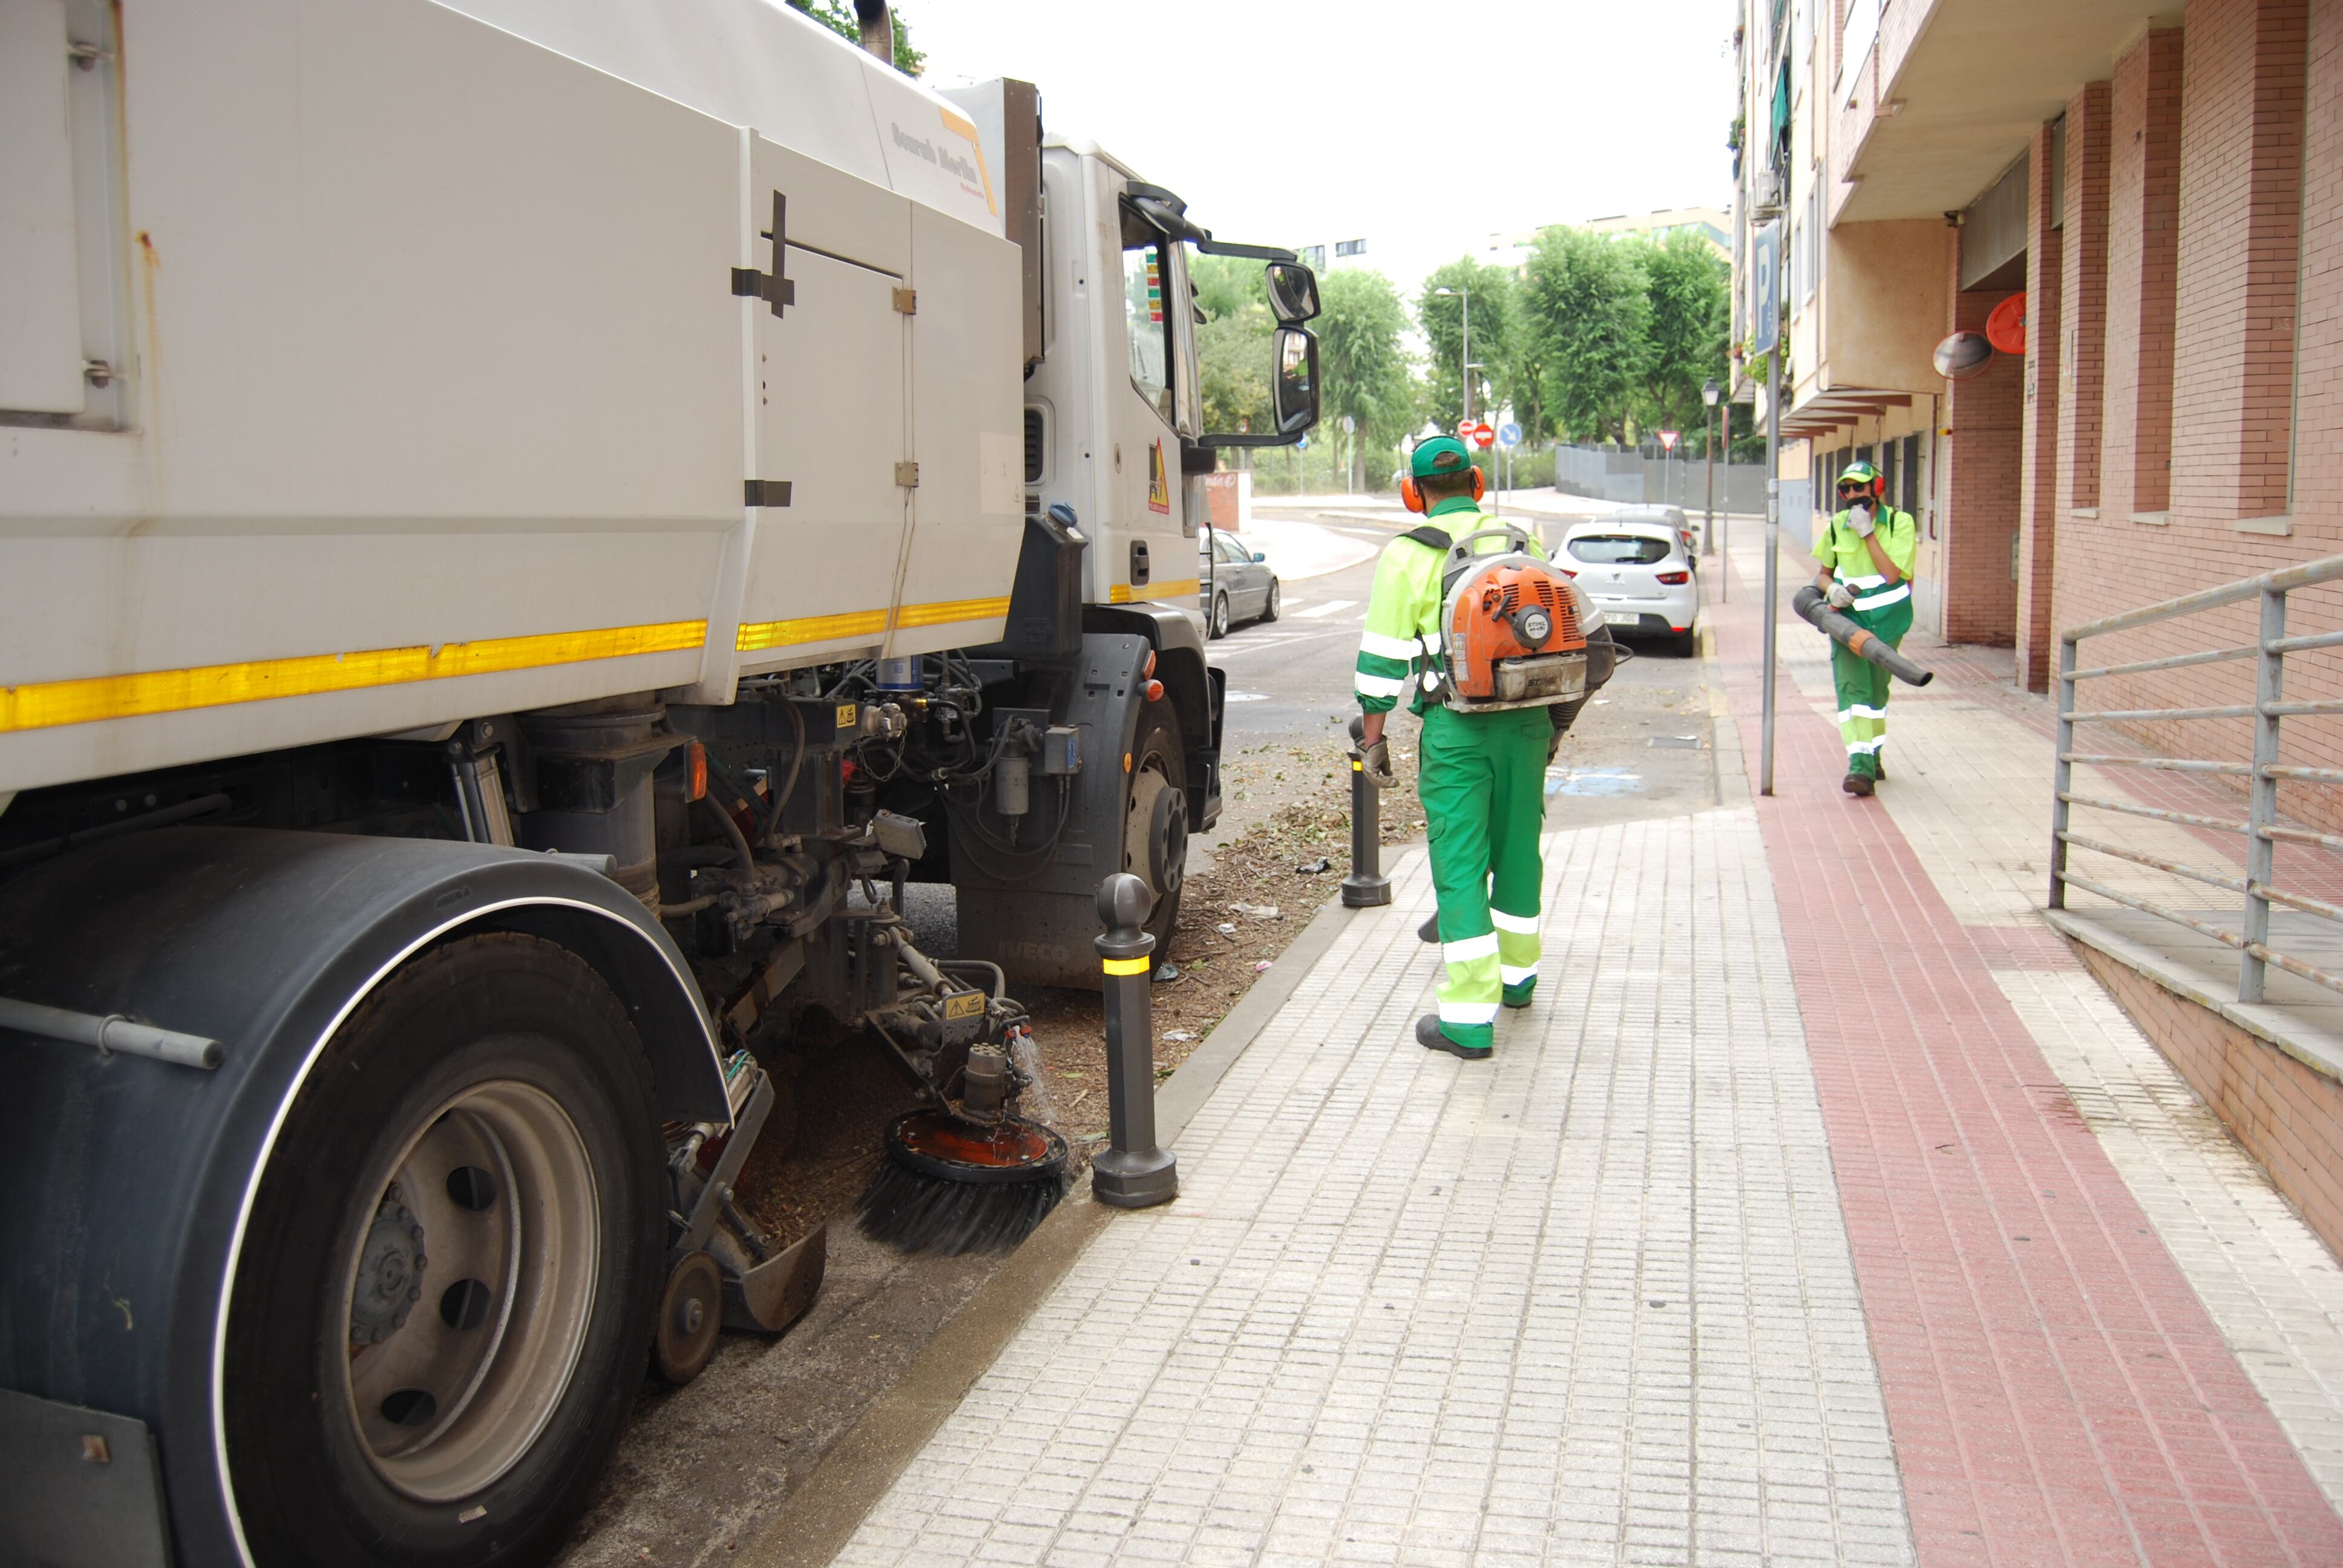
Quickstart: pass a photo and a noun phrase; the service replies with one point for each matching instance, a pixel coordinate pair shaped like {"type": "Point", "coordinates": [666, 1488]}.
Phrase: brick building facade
{"type": "Point", "coordinates": [2167, 192]}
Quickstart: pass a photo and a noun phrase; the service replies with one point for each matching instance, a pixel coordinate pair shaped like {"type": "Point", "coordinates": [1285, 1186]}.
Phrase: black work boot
{"type": "Point", "coordinates": [1431, 1037]}
{"type": "Point", "coordinates": [1856, 784]}
{"type": "Point", "coordinates": [1430, 929]}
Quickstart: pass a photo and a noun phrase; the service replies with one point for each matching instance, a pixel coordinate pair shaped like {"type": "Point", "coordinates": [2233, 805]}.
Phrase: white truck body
{"type": "Point", "coordinates": [350, 399]}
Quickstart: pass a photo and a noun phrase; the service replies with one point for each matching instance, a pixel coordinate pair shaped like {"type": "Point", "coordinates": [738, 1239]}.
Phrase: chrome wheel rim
{"type": "Point", "coordinates": [468, 1285]}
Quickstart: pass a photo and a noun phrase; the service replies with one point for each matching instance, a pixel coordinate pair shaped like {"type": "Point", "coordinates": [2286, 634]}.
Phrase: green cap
{"type": "Point", "coordinates": [1858, 474]}
{"type": "Point", "coordinates": [1439, 457]}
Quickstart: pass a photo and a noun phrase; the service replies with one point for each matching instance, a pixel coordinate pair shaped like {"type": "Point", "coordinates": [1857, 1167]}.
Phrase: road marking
{"type": "Point", "coordinates": [1329, 607]}
{"type": "Point", "coordinates": [1223, 652]}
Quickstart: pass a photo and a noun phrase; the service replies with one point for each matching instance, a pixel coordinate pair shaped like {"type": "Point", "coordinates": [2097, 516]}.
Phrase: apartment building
{"type": "Point", "coordinates": [2166, 191]}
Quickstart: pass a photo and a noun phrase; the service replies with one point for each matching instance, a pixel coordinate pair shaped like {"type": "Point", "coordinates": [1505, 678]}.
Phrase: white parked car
{"type": "Point", "coordinates": [1638, 572]}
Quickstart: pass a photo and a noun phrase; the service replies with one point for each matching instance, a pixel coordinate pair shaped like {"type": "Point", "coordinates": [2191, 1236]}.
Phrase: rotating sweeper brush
{"type": "Point", "coordinates": [972, 1177]}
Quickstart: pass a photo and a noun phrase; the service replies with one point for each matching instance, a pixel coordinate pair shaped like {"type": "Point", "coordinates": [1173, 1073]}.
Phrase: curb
{"type": "Point", "coordinates": [821, 1515]}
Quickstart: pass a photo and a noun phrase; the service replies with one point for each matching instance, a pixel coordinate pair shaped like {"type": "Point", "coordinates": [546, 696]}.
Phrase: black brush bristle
{"type": "Point", "coordinates": [921, 1213]}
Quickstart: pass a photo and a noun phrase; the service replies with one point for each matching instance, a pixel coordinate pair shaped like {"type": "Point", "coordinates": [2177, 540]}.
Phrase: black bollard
{"type": "Point", "coordinates": [1131, 1172]}
{"type": "Point", "coordinates": [1366, 886]}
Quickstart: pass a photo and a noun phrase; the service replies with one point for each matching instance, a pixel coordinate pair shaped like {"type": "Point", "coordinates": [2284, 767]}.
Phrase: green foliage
{"type": "Point", "coordinates": [1487, 301]}
{"type": "Point", "coordinates": [1362, 370]}
{"type": "Point", "coordinates": [1690, 319]}
{"type": "Point", "coordinates": [838, 15]}
{"type": "Point", "coordinates": [1585, 300]}
{"type": "Point", "coordinates": [1232, 341]}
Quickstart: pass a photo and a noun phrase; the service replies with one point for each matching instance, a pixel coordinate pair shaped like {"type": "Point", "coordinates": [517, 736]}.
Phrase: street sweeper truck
{"type": "Point", "coordinates": [523, 526]}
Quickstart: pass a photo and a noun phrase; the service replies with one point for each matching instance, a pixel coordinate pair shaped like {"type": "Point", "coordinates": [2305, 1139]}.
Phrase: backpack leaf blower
{"type": "Point", "coordinates": [1514, 632]}
{"type": "Point", "coordinates": [1815, 609]}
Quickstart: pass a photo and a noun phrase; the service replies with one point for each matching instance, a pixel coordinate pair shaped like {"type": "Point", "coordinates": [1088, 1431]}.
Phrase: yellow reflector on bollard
{"type": "Point", "coordinates": [1123, 966]}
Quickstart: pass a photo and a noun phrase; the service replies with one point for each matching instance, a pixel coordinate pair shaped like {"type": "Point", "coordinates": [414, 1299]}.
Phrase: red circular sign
{"type": "Point", "coordinates": [1483, 436]}
{"type": "Point", "coordinates": [1463, 430]}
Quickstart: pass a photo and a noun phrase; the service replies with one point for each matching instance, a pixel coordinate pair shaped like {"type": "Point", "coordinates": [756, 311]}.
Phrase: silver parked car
{"type": "Point", "coordinates": [1639, 574]}
{"type": "Point", "coordinates": [1233, 583]}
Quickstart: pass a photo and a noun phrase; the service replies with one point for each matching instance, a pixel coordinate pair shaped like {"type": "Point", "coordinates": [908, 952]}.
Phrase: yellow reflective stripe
{"type": "Point", "coordinates": [1357, 766]}
{"type": "Point", "coordinates": [44, 705]}
{"type": "Point", "coordinates": [755, 635]}
{"type": "Point", "coordinates": [952, 611]}
{"type": "Point", "coordinates": [1124, 966]}
{"type": "Point", "coordinates": [763, 634]}
{"type": "Point", "coordinates": [1123, 593]}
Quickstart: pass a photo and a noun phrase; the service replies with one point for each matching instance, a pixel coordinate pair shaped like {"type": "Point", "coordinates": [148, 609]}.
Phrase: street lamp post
{"type": "Point", "coordinates": [1708, 395]}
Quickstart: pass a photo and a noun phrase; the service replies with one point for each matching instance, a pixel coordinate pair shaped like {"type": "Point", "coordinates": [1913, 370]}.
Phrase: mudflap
{"type": "Point", "coordinates": [84, 1488]}
{"type": "Point", "coordinates": [776, 1293]}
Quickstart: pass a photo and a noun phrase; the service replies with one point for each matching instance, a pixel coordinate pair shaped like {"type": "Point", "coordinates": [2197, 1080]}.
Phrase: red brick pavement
{"type": "Point", "coordinates": [2055, 1390]}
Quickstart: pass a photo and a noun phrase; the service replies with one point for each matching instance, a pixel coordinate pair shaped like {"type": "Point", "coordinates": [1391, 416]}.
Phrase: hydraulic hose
{"type": "Point", "coordinates": [1815, 610]}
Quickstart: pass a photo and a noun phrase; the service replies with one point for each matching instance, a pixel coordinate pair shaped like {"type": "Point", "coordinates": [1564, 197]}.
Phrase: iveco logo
{"type": "Point", "coordinates": [1047, 951]}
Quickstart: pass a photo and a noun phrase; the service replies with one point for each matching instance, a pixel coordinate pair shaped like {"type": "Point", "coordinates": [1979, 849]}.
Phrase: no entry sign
{"type": "Point", "coordinates": [1483, 436]}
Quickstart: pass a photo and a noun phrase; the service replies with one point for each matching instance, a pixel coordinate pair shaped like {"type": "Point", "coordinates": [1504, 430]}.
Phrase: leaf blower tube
{"type": "Point", "coordinates": [1814, 607]}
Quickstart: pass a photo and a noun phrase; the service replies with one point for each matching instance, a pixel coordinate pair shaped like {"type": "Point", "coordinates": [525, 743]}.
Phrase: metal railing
{"type": "Point", "coordinates": [2261, 828]}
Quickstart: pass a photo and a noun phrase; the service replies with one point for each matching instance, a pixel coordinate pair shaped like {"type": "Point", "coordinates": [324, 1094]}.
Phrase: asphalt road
{"type": "Point", "coordinates": [1641, 749]}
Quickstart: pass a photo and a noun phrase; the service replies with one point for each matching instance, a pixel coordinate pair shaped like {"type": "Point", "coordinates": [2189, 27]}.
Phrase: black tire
{"type": "Point", "coordinates": [1269, 605]}
{"type": "Point", "coordinates": [1219, 627]}
{"type": "Point", "coordinates": [1685, 644]}
{"type": "Point", "coordinates": [486, 1016]}
{"type": "Point", "coordinates": [1155, 747]}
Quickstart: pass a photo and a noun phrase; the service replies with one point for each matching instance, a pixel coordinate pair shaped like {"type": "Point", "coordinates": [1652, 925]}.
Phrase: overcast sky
{"type": "Point", "coordinates": [1420, 128]}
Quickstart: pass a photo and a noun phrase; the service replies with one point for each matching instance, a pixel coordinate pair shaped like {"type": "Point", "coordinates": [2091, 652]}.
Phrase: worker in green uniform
{"type": "Point", "coordinates": [1865, 553]}
{"type": "Point", "coordinates": [1481, 776]}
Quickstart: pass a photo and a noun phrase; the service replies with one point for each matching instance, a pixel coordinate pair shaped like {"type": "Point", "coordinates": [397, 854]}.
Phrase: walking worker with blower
{"type": "Point", "coordinates": [1481, 776]}
{"type": "Point", "coordinates": [1865, 553]}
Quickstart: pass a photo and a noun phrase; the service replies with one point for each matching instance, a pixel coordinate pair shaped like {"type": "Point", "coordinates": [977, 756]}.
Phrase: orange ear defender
{"type": "Point", "coordinates": [1411, 497]}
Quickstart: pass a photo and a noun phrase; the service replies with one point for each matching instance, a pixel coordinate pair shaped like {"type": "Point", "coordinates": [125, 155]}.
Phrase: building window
{"type": "Point", "coordinates": [1350, 248]}
{"type": "Point", "coordinates": [1313, 257]}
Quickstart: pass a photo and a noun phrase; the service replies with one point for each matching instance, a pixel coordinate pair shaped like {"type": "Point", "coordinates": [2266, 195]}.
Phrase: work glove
{"type": "Point", "coordinates": [1841, 597]}
{"type": "Point", "coordinates": [1859, 519]}
{"type": "Point", "coordinates": [1376, 758]}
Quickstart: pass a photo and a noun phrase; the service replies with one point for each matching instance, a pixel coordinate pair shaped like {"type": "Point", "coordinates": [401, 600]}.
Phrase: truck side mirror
{"type": "Point", "coordinates": [1294, 392]}
{"type": "Point", "coordinates": [1292, 292]}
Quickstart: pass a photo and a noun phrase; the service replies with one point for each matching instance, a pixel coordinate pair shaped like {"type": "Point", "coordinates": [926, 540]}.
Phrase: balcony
{"type": "Point", "coordinates": [1951, 91]}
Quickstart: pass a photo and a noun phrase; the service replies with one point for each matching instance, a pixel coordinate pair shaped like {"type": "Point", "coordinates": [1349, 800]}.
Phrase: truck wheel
{"type": "Point", "coordinates": [1155, 829]}
{"type": "Point", "coordinates": [442, 1314]}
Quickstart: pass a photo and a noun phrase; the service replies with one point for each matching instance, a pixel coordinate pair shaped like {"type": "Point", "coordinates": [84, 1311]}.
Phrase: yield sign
{"type": "Point", "coordinates": [1668, 440]}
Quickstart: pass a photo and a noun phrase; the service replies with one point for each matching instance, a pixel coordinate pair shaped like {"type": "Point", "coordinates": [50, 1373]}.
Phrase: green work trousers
{"type": "Point", "coordinates": [1863, 685]}
{"type": "Point", "coordinates": [1483, 784]}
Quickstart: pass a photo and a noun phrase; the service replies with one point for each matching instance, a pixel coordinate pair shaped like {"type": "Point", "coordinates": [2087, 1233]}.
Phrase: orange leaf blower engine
{"type": "Point", "coordinates": [1514, 632]}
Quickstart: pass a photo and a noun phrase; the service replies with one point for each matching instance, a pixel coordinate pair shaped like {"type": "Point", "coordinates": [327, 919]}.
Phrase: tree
{"type": "Point", "coordinates": [1491, 311]}
{"type": "Point", "coordinates": [838, 15]}
{"type": "Point", "coordinates": [1584, 301]}
{"type": "Point", "coordinates": [1690, 319]}
{"type": "Point", "coordinates": [1362, 371]}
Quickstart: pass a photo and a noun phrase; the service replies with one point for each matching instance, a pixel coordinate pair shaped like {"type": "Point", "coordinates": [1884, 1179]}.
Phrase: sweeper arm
{"type": "Point", "coordinates": [1813, 607]}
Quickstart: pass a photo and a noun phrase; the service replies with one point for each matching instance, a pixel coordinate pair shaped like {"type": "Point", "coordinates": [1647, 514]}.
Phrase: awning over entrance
{"type": "Point", "coordinates": [1841, 406]}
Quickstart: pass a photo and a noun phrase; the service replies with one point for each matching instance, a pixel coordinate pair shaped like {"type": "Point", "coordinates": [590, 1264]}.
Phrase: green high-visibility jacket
{"type": "Point", "coordinates": [1399, 652]}
{"type": "Point", "coordinates": [1842, 551]}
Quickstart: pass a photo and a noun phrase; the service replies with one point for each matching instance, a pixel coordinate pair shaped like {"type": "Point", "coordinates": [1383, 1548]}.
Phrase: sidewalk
{"type": "Point", "coordinates": [1721, 1259]}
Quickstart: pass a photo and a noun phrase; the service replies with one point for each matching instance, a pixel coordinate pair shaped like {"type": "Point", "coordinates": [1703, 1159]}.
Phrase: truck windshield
{"type": "Point", "coordinates": [1147, 312]}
